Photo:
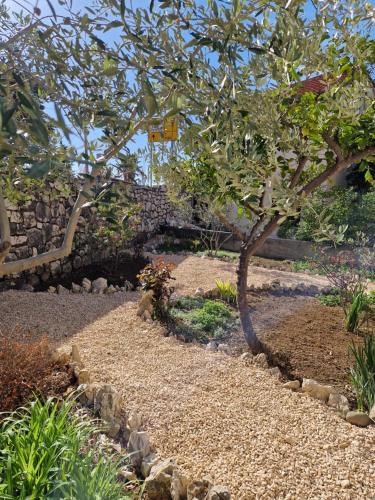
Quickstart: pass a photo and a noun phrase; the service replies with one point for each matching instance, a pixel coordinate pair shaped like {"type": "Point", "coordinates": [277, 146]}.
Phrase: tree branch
{"type": "Point", "coordinates": [66, 247]}
{"type": "Point", "coordinates": [298, 172]}
{"type": "Point", "coordinates": [230, 226]}
{"type": "Point", "coordinates": [333, 144]}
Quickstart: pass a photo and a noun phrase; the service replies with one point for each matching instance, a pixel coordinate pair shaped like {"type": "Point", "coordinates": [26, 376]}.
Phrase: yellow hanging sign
{"type": "Point", "coordinates": [162, 130]}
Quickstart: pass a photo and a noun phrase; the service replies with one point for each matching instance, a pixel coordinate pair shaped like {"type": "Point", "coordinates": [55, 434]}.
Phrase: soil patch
{"type": "Point", "coordinates": [306, 338]}
{"type": "Point", "coordinates": [126, 269]}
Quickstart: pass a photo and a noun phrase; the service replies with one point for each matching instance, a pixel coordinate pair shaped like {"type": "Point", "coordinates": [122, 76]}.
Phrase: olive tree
{"type": "Point", "coordinates": [255, 131]}
{"type": "Point", "coordinates": [62, 75]}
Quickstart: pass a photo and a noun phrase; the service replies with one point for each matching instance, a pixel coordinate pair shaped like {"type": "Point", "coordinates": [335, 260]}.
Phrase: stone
{"type": "Point", "coordinates": [275, 372]}
{"type": "Point", "coordinates": [211, 346]}
{"type": "Point", "coordinates": [61, 356]}
{"type": "Point", "coordinates": [218, 492]}
{"type": "Point", "coordinates": [359, 418]}
{"type": "Point", "coordinates": [42, 212]}
{"type": "Point", "coordinates": [293, 385]}
{"type": "Point", "coordinates": [198, 489]}
{"type": "Point", "coordinates": [55, 267]}
{"type": "Point", "coordinates": [261, 360]}
{"type": "Point", "coordinates": [372, 413]}
{"type": "Point", "coordinates": [76, 288]}
{"type": "Point", "coordinates": [90, 392]}
{"type": "Point", "coordinates": [127, 475]}
{"type": "Point", "coordinates": [178, 485]}
{"type": "Point", "coordinates": [77, 262]}
{"type": "Point", "coordinates": [110, 289]}
{"type": "Point", "coordinates": [316, 390]}
{"type": "Point", "coordinates": [18, 240]}
{"type": "Point", "coordinates": [223, 348]}
{"type": "Point", "coordinates": [99, 285]}
{"type": "Point", "coordinates": [76, 357]}
{"type": "Point", "coordinates": [108, 402]}
{"type": "Point", "coordinates": [339, 403]}
{"type": "Point", "coordinates": [86, 284]}
{"type": "Point", "coordinates": [139, 447]}
{"type": "Point", "coordinates": [147, 464]}
{"type": "Point", "coordinates": [157, 485]}
{"type": "Point", "coordinates": [83, 376]}
{"type": "Point", "coordinates": [134, 422]}
{"type": "Point", "coordinates": [247, 357]}
{"type": "Point", "coordinates": [61, 290]}
{"type": "Point", "coordinates": [199, 292]}
{"type": "Point", "coordinates": [29, 220]}
{"type": "Point", "coordinates": [45, 276]}
{"type": "Point", "coordinates": [51, 289]}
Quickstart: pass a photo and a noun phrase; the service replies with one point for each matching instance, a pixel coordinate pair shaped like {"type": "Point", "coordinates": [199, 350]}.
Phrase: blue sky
{"type": "Point", "coordinates": [140, 141]}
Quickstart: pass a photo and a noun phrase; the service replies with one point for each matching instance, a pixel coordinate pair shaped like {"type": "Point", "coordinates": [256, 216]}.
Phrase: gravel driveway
{"type": "Point", "coordinates": [217, 417]}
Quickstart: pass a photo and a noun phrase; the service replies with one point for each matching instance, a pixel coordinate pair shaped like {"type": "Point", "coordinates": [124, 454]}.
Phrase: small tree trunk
{"type": "Point", "coordinates": [247, 326]}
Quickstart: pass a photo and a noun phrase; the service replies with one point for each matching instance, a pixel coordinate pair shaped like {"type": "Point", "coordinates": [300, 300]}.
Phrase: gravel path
{"type": "Point", "coordinates": [217, 417]}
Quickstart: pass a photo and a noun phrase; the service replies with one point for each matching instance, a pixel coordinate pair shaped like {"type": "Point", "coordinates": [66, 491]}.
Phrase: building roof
{"type": "Point", "coordinates": [317, 85]}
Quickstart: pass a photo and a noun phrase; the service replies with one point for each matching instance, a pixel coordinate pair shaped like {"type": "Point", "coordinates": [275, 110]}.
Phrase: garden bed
{"type": "Point", "coordinates": [307, 338]}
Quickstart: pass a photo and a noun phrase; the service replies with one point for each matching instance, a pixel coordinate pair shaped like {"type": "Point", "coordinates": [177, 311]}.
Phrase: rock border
{"type": "Point", "coordinates": [162, 477]}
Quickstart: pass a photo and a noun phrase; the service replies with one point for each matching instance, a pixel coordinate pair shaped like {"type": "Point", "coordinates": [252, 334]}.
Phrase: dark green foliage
{"type": "Point", "coordinates": [202, 319]}
{"type": "Point", "coordinates": [44, 453]}
{"type": "Point", "coordinates": [362, 374]}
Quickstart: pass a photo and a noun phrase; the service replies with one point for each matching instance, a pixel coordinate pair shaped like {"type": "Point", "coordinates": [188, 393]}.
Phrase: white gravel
{"type": "Point", "coordinates": [217, 417]}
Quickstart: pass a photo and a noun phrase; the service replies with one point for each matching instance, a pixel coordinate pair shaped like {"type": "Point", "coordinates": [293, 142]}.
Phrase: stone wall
{"type": "Point", "coordinates": [38, 225]}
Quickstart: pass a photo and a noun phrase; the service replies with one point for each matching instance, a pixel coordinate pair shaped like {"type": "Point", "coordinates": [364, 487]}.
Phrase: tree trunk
{"type": "Point", "coordinates": [247, 326]}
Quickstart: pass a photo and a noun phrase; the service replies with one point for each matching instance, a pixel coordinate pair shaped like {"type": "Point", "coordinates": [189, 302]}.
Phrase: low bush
{"type": "Point", "coordinates": [202, 319]}
{"type": "Point", "coordinates": [26, 368]}
{"type": "Point", "coordinates": [46, 451]}
{"type": "Point", "coordinates": [362, 374]}
{"type": "Point", "coordinates": [330, 299]}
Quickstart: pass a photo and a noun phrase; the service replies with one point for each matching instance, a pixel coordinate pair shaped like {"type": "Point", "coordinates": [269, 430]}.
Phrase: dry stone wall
{"type": "Point", "coordinates": [38, 225]}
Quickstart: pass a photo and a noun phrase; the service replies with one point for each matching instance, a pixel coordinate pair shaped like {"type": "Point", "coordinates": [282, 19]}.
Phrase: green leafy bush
{"type": "Point", "coordinates": [330, 299]}
{"type": "Point", "coordinates": [227, 291]}
{"type": "Point", "coordinates": [45, 453]}
{"type": "Point", "coordinates": [202, 319]}
{"type": "Point", "coordinates": [343, 207]}
{"type": "Point", "coordinates": [362, 374]}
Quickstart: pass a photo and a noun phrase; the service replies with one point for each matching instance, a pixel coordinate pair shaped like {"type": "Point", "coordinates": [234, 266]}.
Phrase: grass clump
{"type": "Point", "coordinates": [45, 453]}
{"type": "Point", "coordinates": [330, 299]}
{"type": "Point", "coordinates": [202, 319]}
{"type": "Point", "coordinates": [362, 373]}
{"type": "Point", "coordinates": [227, 291]}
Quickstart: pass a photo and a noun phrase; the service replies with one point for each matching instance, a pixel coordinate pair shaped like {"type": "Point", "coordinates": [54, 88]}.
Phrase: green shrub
{"type": "Point", "coordinates": [362, 374]}
{"type": "Point", "coordinates": [344, 206]}
{"type": "Point", "coordinates": [202, 319]}
{"type": "Point", "coordinates": [227, 291]}
{"type": "Point", "coordinates": [330, 299]}
{"type": "Point", "coordinates": [44, 453]}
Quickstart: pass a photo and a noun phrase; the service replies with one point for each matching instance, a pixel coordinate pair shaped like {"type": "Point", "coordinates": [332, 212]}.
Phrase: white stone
{"type": "Point", "coordinates": [261, 360]}
{"type": "Point", "coordinates": [134, 421]}
{"type": "Point", "coordinates": [99, 285]}
{"type": "Point", "coordinates": [86, 284]}
{"type": "Point", "coordinates": [61, 290]}
{"type": "Point", "coordinates": [223, 348]}
{"type": "Point", "coordinates": [76, 288]}
{"type": "Point", "coordinates": [275, 372]}
{"type": "Point", "coordinates": [51, 289]}
{"type": "Point", "coordinates": [339, 403]}
{"type": "Point", "coordinates": [316, 390]}
{"type": "Point", "coordinates": [293, 385]}
{"type": "Point", "coordinates": [147, 463]}
{"type": "Point", "coordinates": [211, 346]}
{"type": "Point", "coordinates": [199, 292]}
{"type": "Point", "coordinates": [139, 447]}
{"type": "Point", "coordinates": [218, 492]}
